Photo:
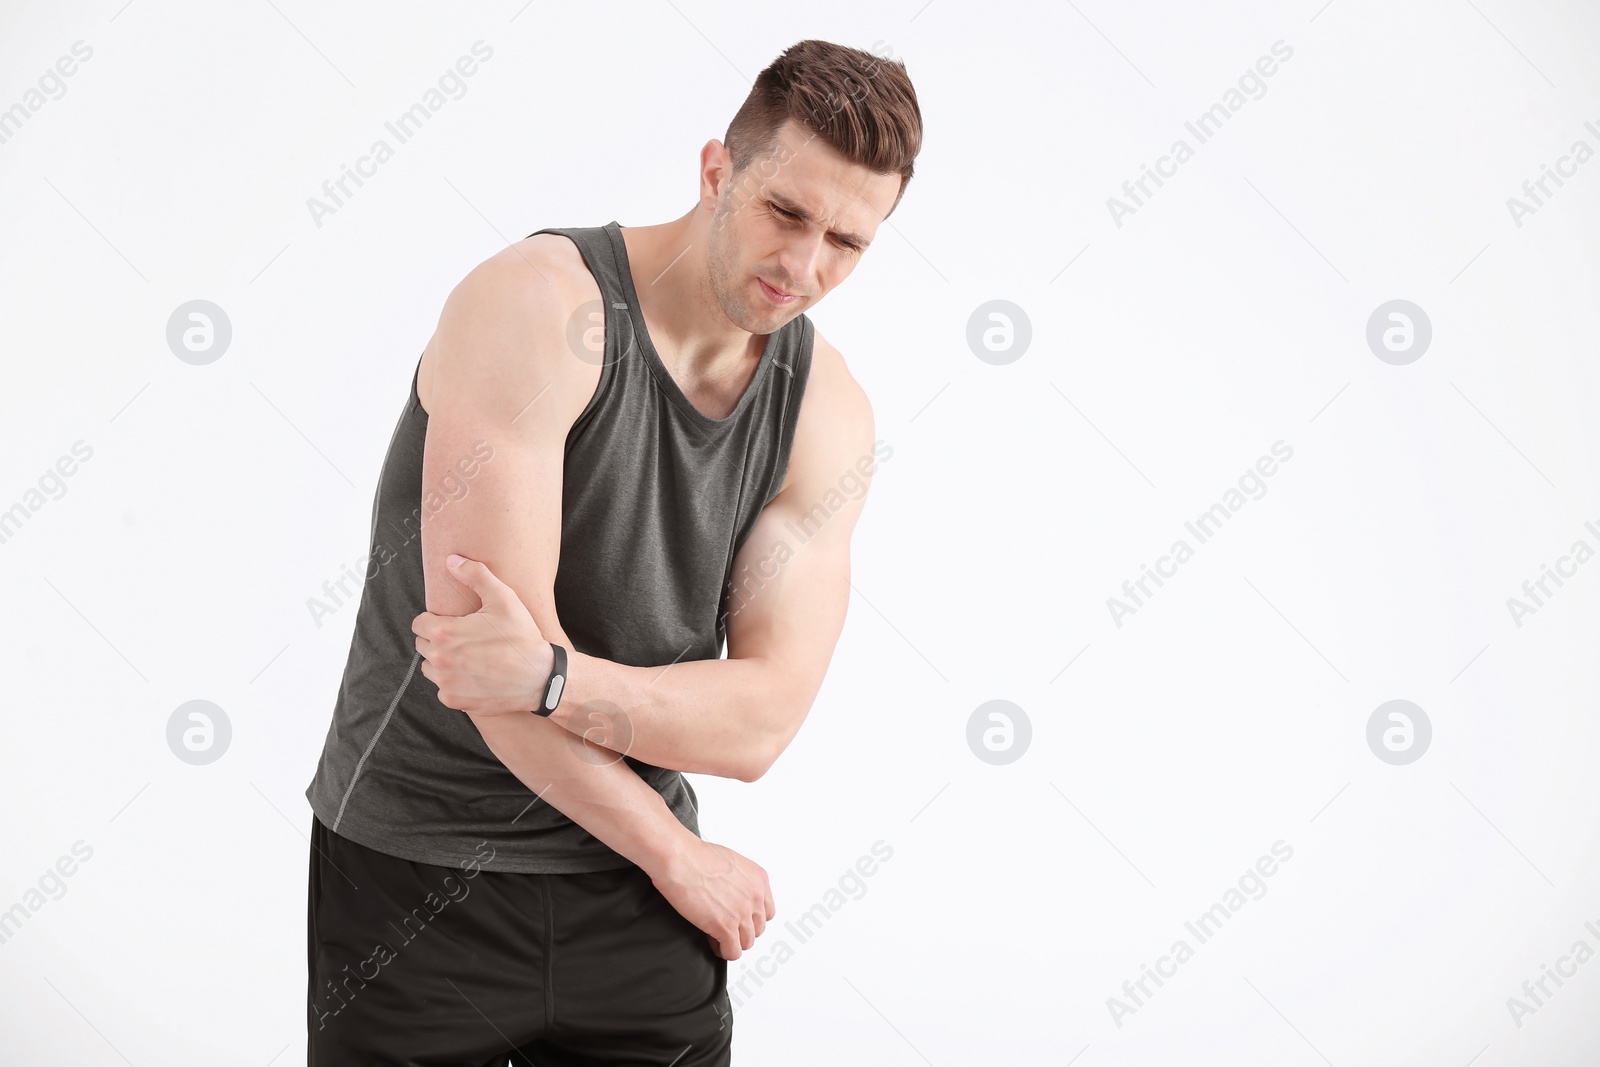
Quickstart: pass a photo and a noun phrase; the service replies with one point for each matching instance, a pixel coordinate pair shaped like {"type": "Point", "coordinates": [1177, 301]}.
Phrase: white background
{"type": "Point", "coordinates": [1227, 313]}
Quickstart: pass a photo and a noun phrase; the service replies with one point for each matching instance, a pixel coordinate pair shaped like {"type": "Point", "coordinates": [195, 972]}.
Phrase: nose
{"type": "Point", "coordinates": [798, 259]}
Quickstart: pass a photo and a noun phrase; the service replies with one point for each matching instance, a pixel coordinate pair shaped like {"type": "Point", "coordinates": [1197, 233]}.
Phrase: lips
{"type": "Point", "coordinates": [777, 296]}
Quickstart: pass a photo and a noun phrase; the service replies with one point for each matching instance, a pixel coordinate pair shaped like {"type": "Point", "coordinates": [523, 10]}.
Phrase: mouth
{"type": "Point", "coordinates": [777, 296]}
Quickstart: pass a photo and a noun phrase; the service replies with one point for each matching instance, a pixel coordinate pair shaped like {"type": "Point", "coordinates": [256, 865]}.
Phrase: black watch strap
{"type": "Point", "coordinates": [558, 681]}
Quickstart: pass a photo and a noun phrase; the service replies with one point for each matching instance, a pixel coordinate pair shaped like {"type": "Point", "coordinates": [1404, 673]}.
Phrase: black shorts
{"type": "Point", "coordinates": [415, 964]}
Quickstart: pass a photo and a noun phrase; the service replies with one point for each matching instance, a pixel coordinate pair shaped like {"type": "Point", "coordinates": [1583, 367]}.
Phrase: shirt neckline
{"type": "Point", "coordinates": [663, 376]}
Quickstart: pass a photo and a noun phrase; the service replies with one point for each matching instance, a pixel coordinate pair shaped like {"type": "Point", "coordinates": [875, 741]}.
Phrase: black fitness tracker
{"type": "Point", "coordinates": [557, 682]}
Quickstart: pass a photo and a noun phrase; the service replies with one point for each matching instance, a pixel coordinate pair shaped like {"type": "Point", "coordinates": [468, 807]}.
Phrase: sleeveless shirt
{"type": "Point", "coordinates": [657, 497]}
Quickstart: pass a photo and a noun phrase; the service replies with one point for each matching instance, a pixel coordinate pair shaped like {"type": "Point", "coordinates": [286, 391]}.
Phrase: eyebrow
{"type": "Point", "coordinates": [795, 209]}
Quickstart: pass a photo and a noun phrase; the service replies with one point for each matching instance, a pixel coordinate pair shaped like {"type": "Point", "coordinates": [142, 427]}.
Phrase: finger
{"type": "Point", "coordinates": [495, 594]}
{"type": "Point", "coordinates": [424, 645]}
{"type": "Point", "coordinates": [423, 625]}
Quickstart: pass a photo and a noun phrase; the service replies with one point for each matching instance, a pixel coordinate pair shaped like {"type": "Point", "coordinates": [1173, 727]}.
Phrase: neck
{"type": "Point", "coordinates": [672, 277]}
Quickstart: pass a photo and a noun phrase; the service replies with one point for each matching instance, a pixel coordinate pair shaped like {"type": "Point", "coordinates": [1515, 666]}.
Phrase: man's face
{"type": "Point", "coordinates": [797, 219]}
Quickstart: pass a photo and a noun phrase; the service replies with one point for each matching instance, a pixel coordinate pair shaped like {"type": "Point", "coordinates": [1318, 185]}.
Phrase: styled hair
{"type": "Point", "coordinates": [860, 104]}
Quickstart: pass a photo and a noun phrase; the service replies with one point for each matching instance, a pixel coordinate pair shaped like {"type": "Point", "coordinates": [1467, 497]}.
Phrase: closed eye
{"type": "Point", "coordinates": [789, 216]}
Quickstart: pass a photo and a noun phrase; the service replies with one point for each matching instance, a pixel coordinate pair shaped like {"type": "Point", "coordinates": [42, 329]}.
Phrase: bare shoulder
{"type": "Point", "coordinates": [834, 431]}
{"type": "Point", "coordinates": [504, 339]}
{"type": "Point", "coordinates": [833, 397]}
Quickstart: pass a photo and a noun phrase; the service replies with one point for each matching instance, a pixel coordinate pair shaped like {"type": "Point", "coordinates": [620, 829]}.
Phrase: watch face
{"type": "Point", "coordinates": [554, 696]}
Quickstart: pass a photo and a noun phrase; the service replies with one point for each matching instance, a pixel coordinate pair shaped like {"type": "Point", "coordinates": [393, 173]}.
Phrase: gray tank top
{"type": "Point", "coordinates": [656, 501]}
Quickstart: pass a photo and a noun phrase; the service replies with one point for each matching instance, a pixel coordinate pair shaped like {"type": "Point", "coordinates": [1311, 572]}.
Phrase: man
{"type": "Point", "coordinates": [625, 448]}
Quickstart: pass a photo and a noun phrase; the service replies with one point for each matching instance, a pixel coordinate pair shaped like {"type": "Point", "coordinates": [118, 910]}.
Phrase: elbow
{"type": "Point", "coordinates": [755, 765]}
{"type": "Point", "coordinates": [768, 746]}
{"type": "Point", "coordinates": [770, 720]}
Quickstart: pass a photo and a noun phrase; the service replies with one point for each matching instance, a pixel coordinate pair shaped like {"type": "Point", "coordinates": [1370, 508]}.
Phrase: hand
{"type": "Point", "coordinates": [720, 891]}
{"type": "Point", "coordinates": [492, 662]}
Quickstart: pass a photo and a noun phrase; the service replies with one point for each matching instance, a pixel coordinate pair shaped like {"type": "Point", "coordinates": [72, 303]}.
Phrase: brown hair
{"type": "Point", "coordinates": [859, 103]}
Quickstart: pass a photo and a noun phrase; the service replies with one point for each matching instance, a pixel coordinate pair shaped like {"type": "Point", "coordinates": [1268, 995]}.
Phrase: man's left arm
{"type": "Point", "coordinates": [786, 608]}
{"type": "Point", "coordinates": [790, 589]}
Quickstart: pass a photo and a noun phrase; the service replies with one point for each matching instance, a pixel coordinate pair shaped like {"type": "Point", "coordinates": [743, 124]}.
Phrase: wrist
{"type": "Point", "coordinates": [567, 713]}
{"type": "Point", "coordinates": [664, 852]}
{"type": "Point", "coordinates": [545, 664]}
{"type": "Point", "coordinates": [498, 731]}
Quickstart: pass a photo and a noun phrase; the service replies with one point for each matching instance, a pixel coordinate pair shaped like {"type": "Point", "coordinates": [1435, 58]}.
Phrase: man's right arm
{"type": "Point", "coordinates": [502, 374]}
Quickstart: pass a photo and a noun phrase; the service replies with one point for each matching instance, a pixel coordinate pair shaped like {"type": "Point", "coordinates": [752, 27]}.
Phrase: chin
{"type": "Point", "coordinates": [775, 317]}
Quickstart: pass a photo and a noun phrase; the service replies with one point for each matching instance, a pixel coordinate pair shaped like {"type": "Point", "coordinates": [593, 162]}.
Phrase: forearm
{"type": "Point", "coordinates": [716, 716]}
{"type": "Point", "coordinates": [595, 789]}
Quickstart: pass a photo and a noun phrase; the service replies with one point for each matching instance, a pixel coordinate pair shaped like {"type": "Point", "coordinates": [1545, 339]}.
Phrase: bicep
{"type": "Point", "coordinates": [501, 405]}
{"type": "Point", "coordinates": [502, 507]}
{"type": "Point", "coordinates": [788, 600]}
{"type": "Point", "coordinates": [791, 577]}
